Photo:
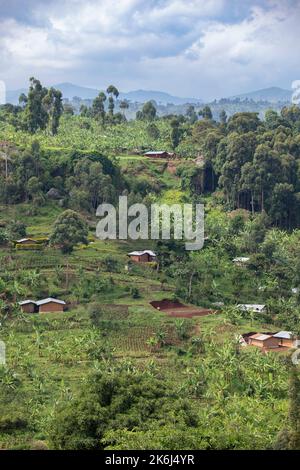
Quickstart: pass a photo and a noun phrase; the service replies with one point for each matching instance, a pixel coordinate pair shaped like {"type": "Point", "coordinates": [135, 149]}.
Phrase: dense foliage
{"type": "Point", "coordinates": [112, 371]}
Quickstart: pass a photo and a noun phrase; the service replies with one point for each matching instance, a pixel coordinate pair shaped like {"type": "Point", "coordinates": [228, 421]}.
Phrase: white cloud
{"type": "Point", "coordinates": [182, 46]}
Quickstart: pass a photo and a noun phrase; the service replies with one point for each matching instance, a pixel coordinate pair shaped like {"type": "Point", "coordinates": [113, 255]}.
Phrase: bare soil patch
{"type": "Point", "coordinates": [179, 310]}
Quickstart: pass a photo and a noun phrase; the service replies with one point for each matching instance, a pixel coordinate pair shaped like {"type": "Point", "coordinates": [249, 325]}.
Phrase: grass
{"type": "Point", "coordinates": [49, 353]}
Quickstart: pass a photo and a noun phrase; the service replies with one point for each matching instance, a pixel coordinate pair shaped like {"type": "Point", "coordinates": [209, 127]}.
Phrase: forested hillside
{"type": "Point", "coordinates": [112, 371]}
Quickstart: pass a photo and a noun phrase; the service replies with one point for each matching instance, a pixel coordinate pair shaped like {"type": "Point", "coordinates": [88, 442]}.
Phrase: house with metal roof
{"type": "Point", "coordinates": [42, 306]}
{"type": "Point", "coordinates": [258, 308]}
{"type": "Point", "coordinates": [158, 154]}
{"type": "Point", "coordinates": [50, 305]}
{"type": "Point", "coordinates": [28, 306]}
{"type": "Point", "coordinates": [26, 241]}
{"type": "Point", "coordinates": [287, 339]}
{"type": "Point", "coordinates": [145, 256]}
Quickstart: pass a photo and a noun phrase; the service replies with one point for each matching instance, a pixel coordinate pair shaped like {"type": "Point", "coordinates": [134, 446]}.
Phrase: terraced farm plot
{"type": "Point", "coordinates": [134, 339]}
{"type": "Point", "coordinates": [115, 312]}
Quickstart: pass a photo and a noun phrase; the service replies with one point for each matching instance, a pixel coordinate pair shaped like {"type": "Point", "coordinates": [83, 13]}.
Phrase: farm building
{"type": "Point", "coordinates": [42, 306]}
{"type": "Point", "coordinates": [263, 341]}
{"type": "Point", "coordinates": [26, 241]}
{"type": "Point", "coordinates": [287, 339]}
{"type": "Point", "coordinates": [145, 256]}
{"type": "Point", "coordinates": [50, 305]}
{"type": "Point", "coordinates": [159, 154]}
{"type": "Point", "coordinates": [241, 261]}
{"type": "Point", "coordinates": [258, 308]}
{"type": "Point", "coordinates": [28, 306]}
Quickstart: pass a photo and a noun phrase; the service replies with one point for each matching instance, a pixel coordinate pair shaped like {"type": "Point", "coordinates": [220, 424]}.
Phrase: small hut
{"type": "Point", "coordinates": [50, 305]}
{"type": "Point", "coordinates": [287, 339]}
{"type": "Point", "coordinates": [145, 256]}
{"type": "Point", "coordinates": [28, 306]}
{"type": "Point", "coordinates": [262, 340]}
{"type": "Point", "coordinates": [158, 154]}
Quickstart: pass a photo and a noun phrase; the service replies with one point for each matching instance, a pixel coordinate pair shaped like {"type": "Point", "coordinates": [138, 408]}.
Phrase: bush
{"type": "Point", "coordinates": [11, 423]}
{"type": "Point", "coordinates": [95, 312]}
{"type": "Point", "coordinates": [134, 292]}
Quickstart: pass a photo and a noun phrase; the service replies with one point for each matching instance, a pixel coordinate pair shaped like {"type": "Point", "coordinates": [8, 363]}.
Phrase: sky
{"type": "Point", "coordinates": [190, 48]}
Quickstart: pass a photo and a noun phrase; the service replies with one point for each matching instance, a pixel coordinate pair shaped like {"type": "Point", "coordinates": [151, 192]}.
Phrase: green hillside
{"type": "Point", "coordinates": [112, 371]}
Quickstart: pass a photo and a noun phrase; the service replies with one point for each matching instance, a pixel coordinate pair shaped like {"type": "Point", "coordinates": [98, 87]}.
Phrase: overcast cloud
{"type": "Point", "coordinates": [196, 48]}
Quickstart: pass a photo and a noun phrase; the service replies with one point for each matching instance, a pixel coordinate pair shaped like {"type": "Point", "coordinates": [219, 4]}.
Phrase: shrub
{"type": "Point", "coordinates": [134, 292]}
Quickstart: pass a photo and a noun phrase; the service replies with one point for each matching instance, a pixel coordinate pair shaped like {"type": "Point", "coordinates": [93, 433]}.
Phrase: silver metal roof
{"type": "Point", "coordinates": [284, 335]}
{"type": "Point", "coordinates": [50, 299]}
{"type": "Point", "coordinates": [25, 302]}
{"type": "Point", "coordinates": [144, 252]}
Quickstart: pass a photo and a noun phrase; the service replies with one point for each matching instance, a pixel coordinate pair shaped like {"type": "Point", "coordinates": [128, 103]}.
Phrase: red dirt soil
{"type": "Point", "coordinates": [176, 309]}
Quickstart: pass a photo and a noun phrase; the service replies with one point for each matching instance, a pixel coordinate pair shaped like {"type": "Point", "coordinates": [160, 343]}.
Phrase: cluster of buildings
{"type": "Point", "coordinates": [51, 304]}
{"type": "Point", "coordinates": [266, 341]}
{"type": "Point", "coordinates": [42, 306]}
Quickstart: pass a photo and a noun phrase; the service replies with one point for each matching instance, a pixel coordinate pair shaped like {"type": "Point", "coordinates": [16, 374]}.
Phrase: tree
{"type": "Point", "coordinates": [148, 112]}
{"type": "Point", "coordinates": [291, 113]}
{"type": "Point", "coordinates": [35, 114]}
{"type": "Point", "coordinates": [69, 229]}
{"type": "Point", "coordinates": [98, 108]}
{"type": "Point", "coordinates": [223, 116]}
{"type": "Point", "coordinates": [23, 99]}
{"type": "Point", "coordinates": [52, 102]}
{"type": "Point", "coordinates": [16, 229]}
{"type": "Point", "coordinates": [239, 150]}
{"type": "Point", "coordinates": [191, 114]}
{"type": "Point", "coordinates": [124, 105]}
{"type": "Point", "coordinates": [112, 400]}
{"type": "Point", "coordinates": [243, 122]}
{"type": "Point", "coordinates": [89, 186]}
{"type": "Point", "coordinates": [113, 92]}
{"type": "Point", "coordinates": [42, 107]}
{"type": "Point", "coordinates": [206, 113]}
{"type": "Point", "coordinates": [176, 132]}
{"type": "Point", "coordinates": [272, 119]}
{"type": "Point", "coordinates": [268, 170]}
{"type": "Point", "coordinates": [34, 189]}
{"type": "Point", "coordinates": [283, 205]}
{"type": "Point", "coordinates": [153, 131]}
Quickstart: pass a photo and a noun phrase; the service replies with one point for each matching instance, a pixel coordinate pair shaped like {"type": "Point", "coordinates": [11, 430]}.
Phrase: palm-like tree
{"type": "Point", "coordinates": [113, 92]}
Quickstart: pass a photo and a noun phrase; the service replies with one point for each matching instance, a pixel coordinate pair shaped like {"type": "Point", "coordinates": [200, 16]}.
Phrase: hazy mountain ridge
{"type": "Point", "coordinates": [271, 94]}
{"type": "Point", "coordinates": [69, 90]}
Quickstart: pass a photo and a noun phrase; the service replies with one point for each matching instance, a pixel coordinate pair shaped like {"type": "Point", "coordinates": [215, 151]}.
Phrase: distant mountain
{"type": "Point", "coordinates": [141, 96]}
{"type": "Point", "coordinates": [12, 96]}
{"type": "Point", "coordinates": [272, 94]}
{"type": "Point", "coordinates": [69, 90]}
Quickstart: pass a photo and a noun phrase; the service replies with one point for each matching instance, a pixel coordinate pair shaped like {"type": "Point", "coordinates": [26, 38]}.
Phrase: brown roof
{"type": "Point", "coordinates": [260, 336]}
